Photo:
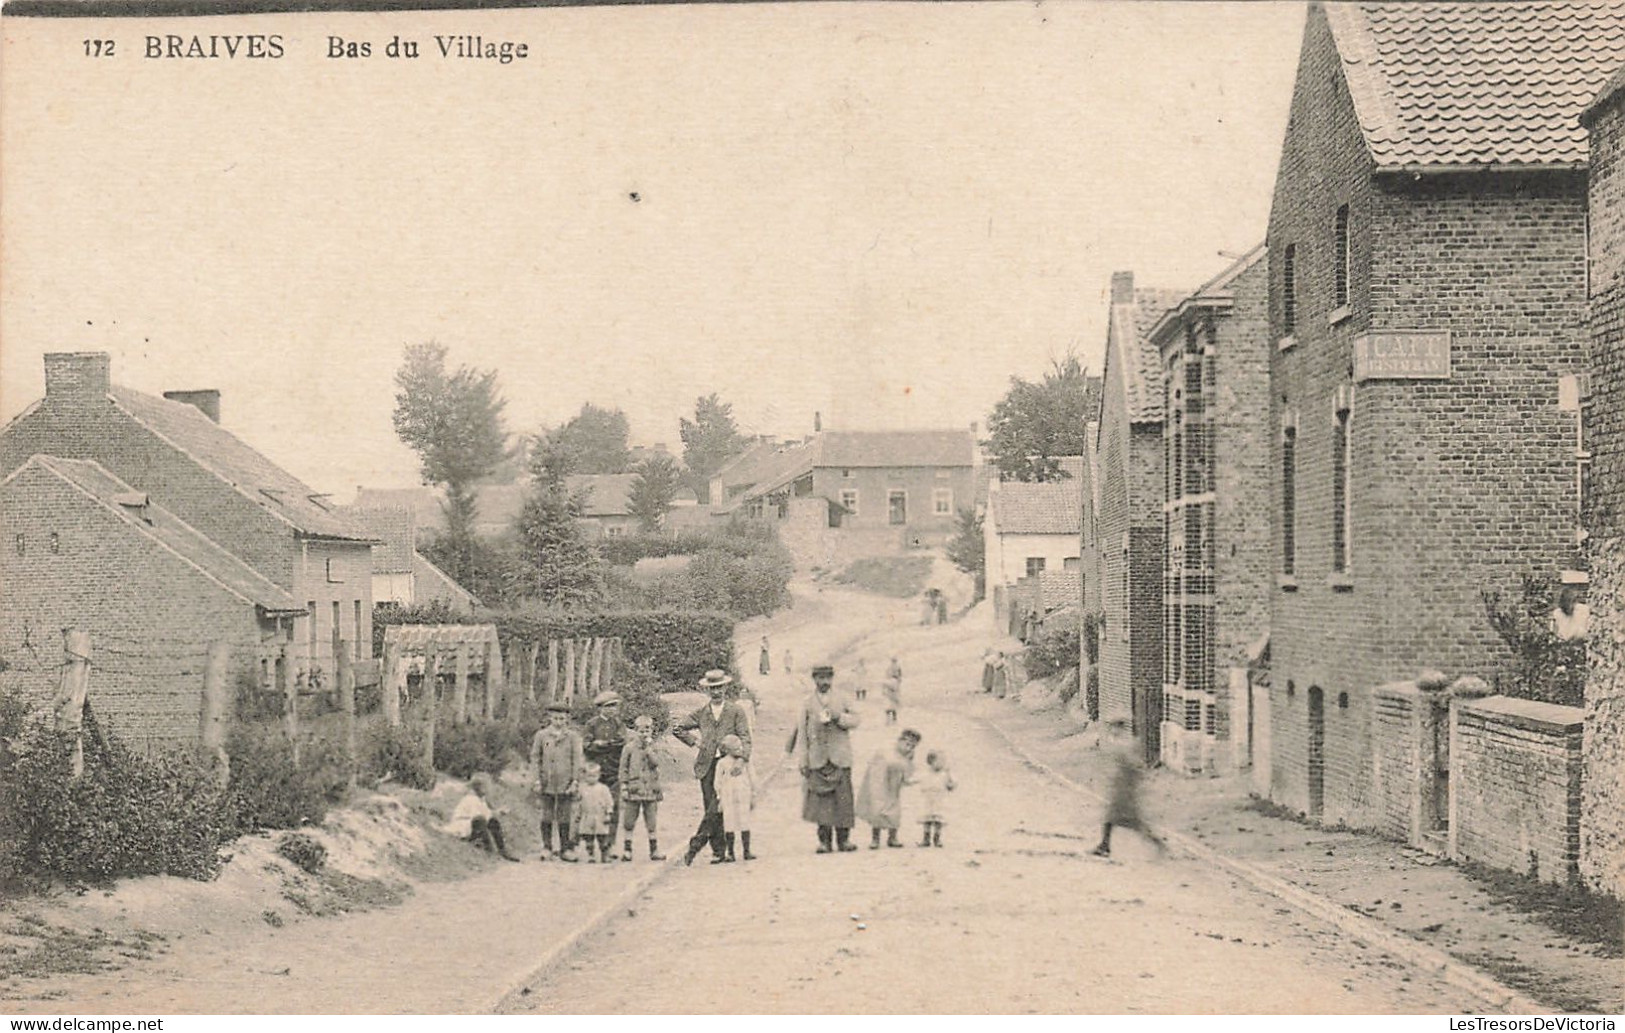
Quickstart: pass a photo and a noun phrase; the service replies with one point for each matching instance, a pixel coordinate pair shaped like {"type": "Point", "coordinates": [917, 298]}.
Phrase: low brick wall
{"type": "Point", "coordinates": [1515, 786]}
{"type": "Point", "coordinates": [1407, 764]}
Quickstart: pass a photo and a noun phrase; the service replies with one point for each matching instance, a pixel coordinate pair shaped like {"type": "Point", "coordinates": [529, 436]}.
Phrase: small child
{"type": "Point", "coordinates": [640, 786]}
{"type": "Point", "coordinates": [1123, 809]}
{"type": "Point", "coordinates": [736, 791]}
{"type": "Point", "coordinates": [597, 814]}
{"type": "Point", "coordinates": [894, 690]}
{"type": "Point", "coordinates": [935, 785]}
{"type": "Point", "coordinates": [880, 800]}
{"type": "Point", "coordinates": [860, 680]}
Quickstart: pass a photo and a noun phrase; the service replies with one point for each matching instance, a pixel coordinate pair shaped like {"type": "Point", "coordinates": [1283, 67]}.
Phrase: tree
{"type": "Point", "coordinates": [652, 491]}
{"type": "Point", "coordinates": [453, 421]}
{"type": "Point", "coordinates": [967, 549]}
{"type": "Point", "coordinates": [1034, 425]}
{"type": "Point", "coordinates": [592, 441]}
{"type": "Point", "coordinates": [564, 569]}
{"type": "Point", "coordinates": [709, 441]}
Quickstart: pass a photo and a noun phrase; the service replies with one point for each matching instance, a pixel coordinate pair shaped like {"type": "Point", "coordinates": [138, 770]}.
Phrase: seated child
{"type": "Point", "coordinates": [736, 792]}
{"type": "Point", "coordinates": [474, 820]}
{"type": "Point", "coordinates": [597, 814]}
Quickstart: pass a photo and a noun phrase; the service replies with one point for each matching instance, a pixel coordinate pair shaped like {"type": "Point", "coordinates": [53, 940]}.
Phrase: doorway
{"type": "Point", "coordinates": [897, 506]}
{"type": "Point", "coordinates": [1317, 751]}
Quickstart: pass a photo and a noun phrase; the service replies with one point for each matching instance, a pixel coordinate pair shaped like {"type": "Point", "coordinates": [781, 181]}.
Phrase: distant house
{"type": "Point", "coordinates": [1128, 521]}
{"type": "Point", "coordinates": [400, 574]}
{"type": "Point", "coordinates": [606, 512]}
{"type": "Point", "coordinates": [174, 450]}
{"type": "Point", "coordinates": [497, 506]}
{"type": "Point", "coordinates": [1029, 528]}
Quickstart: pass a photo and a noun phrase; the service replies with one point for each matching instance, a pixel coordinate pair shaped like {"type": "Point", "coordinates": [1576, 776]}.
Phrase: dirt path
{"type": "Point", "coordinates": [1011, 916]}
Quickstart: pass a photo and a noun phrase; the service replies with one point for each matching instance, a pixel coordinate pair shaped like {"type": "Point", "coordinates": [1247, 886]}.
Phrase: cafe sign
{"type": "Point", "coordinates": [1402, 355]}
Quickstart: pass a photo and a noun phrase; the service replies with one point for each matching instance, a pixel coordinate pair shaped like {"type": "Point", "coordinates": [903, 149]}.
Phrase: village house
{"type": "Point", "coordinates": [1031, 527]}
{"type": "Point", "coordinates": [496, 506]}
{"type": "Point", "coordinates": [1602, 814]}
{"type": "Point", "coordinates": [606, 503]}
{"type": "Point", "coordinates": [1128, 522]}
{"type": "Point", "coordinates": [1427, 267]}
{"type": "Point", "coordinates": [87, 551]}
{"type": "Point", "coordinates": [174, 451]}
{"type": "Point", "coordinates": [1216, 582]}
{"type": "Point", "coordinates": [401, 576]}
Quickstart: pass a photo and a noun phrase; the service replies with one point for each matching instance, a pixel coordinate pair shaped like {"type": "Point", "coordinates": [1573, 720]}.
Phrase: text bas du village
{"type": "Point", "coordinates": [470, 47]}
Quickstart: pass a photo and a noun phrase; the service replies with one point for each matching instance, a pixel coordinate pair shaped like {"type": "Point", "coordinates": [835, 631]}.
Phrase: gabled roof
{"type": "Point", "coordinates": [1442, 86]}
{"type": "Point", "coordinates": [608, 494]}
{"type": "Point", "coordinates": [395, 529]}
{"type": "Point", "coordinates": [859, 448]}
{"type": "Point", "coordinates": [1129, 350]}
{"type": "Point", "coordinates": [770, 471]}
{"type": "Point", "coordinates": [165, 530]}
{"type": "Point", "coordinates": [433, 583]}
{"type": "Point", "coordinates": [423, 501]}
{"type": "Point", "coordinates": [1216, 293]}
{"type": "Point", "coordinates": [1050, 507]}
{"type": "Point", "coordinates": [228, 458]}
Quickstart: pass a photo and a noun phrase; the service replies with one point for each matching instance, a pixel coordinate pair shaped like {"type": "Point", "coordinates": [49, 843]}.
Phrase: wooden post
{"type": "Point", "coordinates": [582, 654]}
{"type": "Point", "coordinates": [216, 710]}
{"type": "Point", "coordinates": [459, 706]}
{"type": "Point", "coordinates": [552, 669]}
{"type": "Point", "coordinates": [493, 676]}
{"type": "Point", "coordinates": [431, 685]}
{"type": "Point", "coordinates": [569, 671]}
{"type": "Point", "coordinates": [532, 649]}
{"type": "Point", "coordinates": [346, 690]}
{"type": "Point", "coordinates": [595, 647]}
{"type": "Point", "coordinates": [72, 691]}
{"type": "Point", "coordinates": [514, 677]}
{"type": "Point", "coordinates": [392, 683]}
{"type": "Point", "coordinates": [290, 704]}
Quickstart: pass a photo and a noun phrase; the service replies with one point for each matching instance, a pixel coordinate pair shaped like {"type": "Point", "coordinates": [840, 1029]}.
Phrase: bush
{"type": "Point", "coordinates": [309, 855]}
{"type": "Point", "coordinates": [1543, 667]}
{"type": "Point", "coordinates": [126, 815]}
{"type": "Point", "coordinates": [1053, 650]}
{"type": "Point", "coordinates": [397, 754]}
{"type": "Point", "coordinates": [1091, 693]}
{"type": "Point", "coordinates": [269, 791]}
{"type": "Point", "coordinates": [488, 746]}
{"type": "Point", "coordinates": [1068, 690]}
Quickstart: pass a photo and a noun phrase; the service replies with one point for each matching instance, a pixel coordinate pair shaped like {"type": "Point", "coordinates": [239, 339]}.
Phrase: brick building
{"type": "Point", "coordinates": [174, 450]}
{"type": "Point", "coordinates": [1216, 581]}
{"type": "Point", "coordinates": [1602, 841]}
{"type": "Point", "coordinates": [1128, 523]}
{"type": "Point", "coordinates": [400, 574]}
{"type": "Point", "coordinates": [1427, 285]}
{"type": "Point", "coordinates": [87, 551]}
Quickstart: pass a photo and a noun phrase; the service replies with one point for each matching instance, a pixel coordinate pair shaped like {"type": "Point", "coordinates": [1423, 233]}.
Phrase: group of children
{"type": "Point", "coordinates": [880, 798]}
{"type": "Point", "coordinates": [576, 804]}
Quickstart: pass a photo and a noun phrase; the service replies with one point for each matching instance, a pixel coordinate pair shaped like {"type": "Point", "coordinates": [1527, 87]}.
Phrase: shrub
{"type": "Point", "coordinates": [126, 815]}
{"type": "Point", "coordinates": [1091, 693]}
{"type": "Point", "coordinates": [269, 791]}
{"type": "Point", "coordinates": [1053, 650]}
{"type": "Point", "coordinates": [1543, 666]}
{"type": "Point", "coordinates": [461, 750]}
{"type": "Point", "coordinates": [1089, 637]}
{"type": "Point", "coordinates": [1068, 690]}
{"type": "Point", "coordinates": [309, 855]}
{"type": "Point", "coordinates": [397, 754]}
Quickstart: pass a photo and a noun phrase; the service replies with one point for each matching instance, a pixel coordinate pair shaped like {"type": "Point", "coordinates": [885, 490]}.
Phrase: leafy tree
{"type": "Point", "coordinates": [652, 491]}
{"type": "Point", "coordinates": [592, 441]}
{"type": "Point", "coordinates": [453, 421]}
{"type": "Point", "coordinates": [709, 441]}
{"type": "Point", "coordinates": [1034, 425]}
{"type": "Point", "coordinates": [1541, 666]}
{"type": "Point", "coordinates": [563, 568]}
{"type": "Point", "coordinates": [967, 549]}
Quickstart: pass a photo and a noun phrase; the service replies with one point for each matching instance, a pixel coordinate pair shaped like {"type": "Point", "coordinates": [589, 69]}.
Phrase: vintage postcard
{"type": "Point", "coordinates": [811, 508]}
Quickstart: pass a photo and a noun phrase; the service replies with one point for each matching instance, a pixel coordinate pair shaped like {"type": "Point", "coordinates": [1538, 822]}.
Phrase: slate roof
{"type": "Point", "coordinates": [1051, 507]}
{"type": "Point", "coordinates": [1137, 359]}
{"type": "Point", "coordinates": [1476, 85]}
{"type": "Point", "coordinates": [395, 528]}
{"type": "Point", "coordinates": [226, 456]}
{"type": "Point", "coordinates": [167, 531]}
{"type": "Point", "coordinates": [607, 493]}
{"type": "Point", "coordinates": [857, 448]}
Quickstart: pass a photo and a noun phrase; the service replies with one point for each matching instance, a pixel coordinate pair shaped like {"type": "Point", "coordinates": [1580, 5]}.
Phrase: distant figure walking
{"type": "Point", "coordinates": [765, 664]}
{"type": "Point", "coordinates": [1001, 675]}
{"type": "Point", "coordinates": [1123, 808]}
{"type": "Point", "coordinates": [860, 680]}
{"type": "Point", "coordinates": [894, 690]}
{"type": "Point", "coordinates": [987, 668]}
{"type": "Point", "coordinates": [880, 798]}
{"type": "Point", "coordinates": [935, 785]}
{"type": "Point", "coordinates": [942, 609]}
{"type": "Point", "coordinates": [789, 667]}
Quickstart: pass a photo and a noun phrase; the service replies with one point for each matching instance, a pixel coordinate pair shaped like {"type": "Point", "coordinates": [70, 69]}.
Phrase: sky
{"type": "Point", "coordinates": [876, 212]}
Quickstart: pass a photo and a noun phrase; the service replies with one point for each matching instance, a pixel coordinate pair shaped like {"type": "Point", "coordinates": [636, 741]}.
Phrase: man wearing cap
{"type": "Point", "coordinates": [822, 743]}
{"type": "Point", "coordinates": [716, 719]}
{"type": "Point", "coordinates": [605, 739]}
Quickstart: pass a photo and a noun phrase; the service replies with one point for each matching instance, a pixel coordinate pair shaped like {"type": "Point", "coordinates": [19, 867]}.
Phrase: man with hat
{"type": "Point", "coordinates": [605, 739]}
{"type": "Point", "coordinates": [822, 743]}
{"type": "Point", "coordinates": [556, 757]}
{"type": "Point", "coordinates": [718, 718]}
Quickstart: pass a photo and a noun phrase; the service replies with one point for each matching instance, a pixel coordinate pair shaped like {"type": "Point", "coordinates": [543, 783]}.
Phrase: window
{"type": "Point", "coordinates": [897, 506]}
{"type": "Point", "coordinates": [22, 545]}
{"type": "Point", "coordinates": [1072, 563]}
{"type": "Point", "coordinates": [614, 531]}
{"type": "Point", "coordinates": [1289, 499]}
{"type": "Point", "coordinates": [56, 543]}
{"type": "Point", "coordinates": [1289, 290]}
{"type": "Point", "coordinates": [1340, 259]}
{"type": "Point", "coordinates": [847, 474]}
{"type": "Point", "coordinates": [942, 501]}
{"type": "Point", "coordinates": [338, 621]}
{"type": "Point", "coordinates": [849, 500]}
{"type": "Point", "coordinates": [1340, 490]}
{"type": "Point", "coordinates": [332, 575]}
{"type": "Point", "coordinates": [1035, 565]}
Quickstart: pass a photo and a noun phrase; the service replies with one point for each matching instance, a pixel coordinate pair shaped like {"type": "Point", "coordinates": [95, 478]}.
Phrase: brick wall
{"type": "Point", "coordinates": [873, 485]}
{"type": "Point", "coordinates": [328, 573]}
{"type": "Point", "coordinates": [1515, 786]}
{"type": "Point", "coordinates": [1602, 847]}
{"type": "Point", "coordinates": [1456, 485]}
{"type": "Point", "coordinates": [148, 638]}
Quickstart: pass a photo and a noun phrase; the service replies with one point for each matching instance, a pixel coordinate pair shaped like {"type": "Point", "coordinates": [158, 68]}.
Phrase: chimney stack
{"type": "Point", "coordinates": [1122, 288]}
{"type": "Point", "coordinates": [818, 422]}
{"type": "Point", "coordinates": [206, 401]}
{"type": "Point", "coordinates": [77, 376]}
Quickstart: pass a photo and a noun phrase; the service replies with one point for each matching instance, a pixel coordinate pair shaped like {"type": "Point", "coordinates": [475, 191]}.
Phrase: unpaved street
{"type": "Point", "coordinates": [1012, 915]}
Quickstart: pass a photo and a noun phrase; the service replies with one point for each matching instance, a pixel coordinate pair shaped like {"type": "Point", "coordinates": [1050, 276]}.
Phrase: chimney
{"type": "Point", "coordinates": [818, 422]}
{"type": "Point", "coordinates": [77, 376]}
{"type": "Point", "coordinates": [206, 400]}
{"type": "Point", "coordinates": [1122, 288]}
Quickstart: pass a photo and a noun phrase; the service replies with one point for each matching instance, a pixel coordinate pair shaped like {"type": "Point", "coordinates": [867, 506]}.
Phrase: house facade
{"type": "Point", "coordinates": [1032, 527]}
{"type": "Point", "coordinates": [400, 574]}
{"type": "Point", "coordinates": [176, 453]}
{"type": "Point", "coordinates": [606, 511]}
{"type": "Point", "coordinates": [87, 551]}
{"type": "Point", "coordinates": [1214, 348]}
{"type": "Point", "coordinates": [1128, 521]}
{"type": "Point", "coordinates": [1427, 285]}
